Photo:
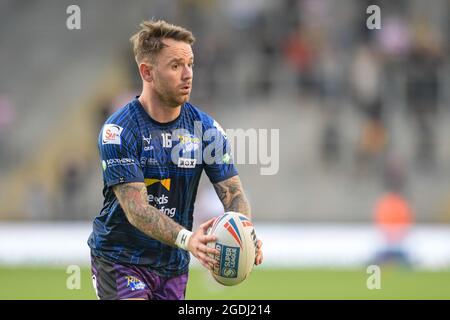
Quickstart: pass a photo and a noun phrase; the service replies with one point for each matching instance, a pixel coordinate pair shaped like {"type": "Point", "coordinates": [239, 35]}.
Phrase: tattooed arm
{"type": "Point", "coordinates": [133, 200]}
{"type": "Point", "coordinates": [232, 195]}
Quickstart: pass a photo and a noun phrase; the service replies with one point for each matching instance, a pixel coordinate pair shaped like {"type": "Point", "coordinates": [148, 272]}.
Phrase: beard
{"type": "Point", "coordinates": [172, 98]}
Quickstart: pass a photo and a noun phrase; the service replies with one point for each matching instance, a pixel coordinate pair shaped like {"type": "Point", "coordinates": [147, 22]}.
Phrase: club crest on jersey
{"type": "Point", "coordinates": [111, 134]}
{"type": "Point", "coordinates": [189, 143]}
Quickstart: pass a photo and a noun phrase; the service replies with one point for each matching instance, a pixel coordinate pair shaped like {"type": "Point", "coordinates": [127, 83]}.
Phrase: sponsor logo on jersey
{"type": "Point", "coordinates": [134, 283]}
{"type": "Point", "coordinates": [187, 163]}
{"type": "Point", "coordinates": [148, 162]}
{"type": "Point", "coordinates": [160, 202]}
{"type": "Point", "coordinates": [111, 134]}
{"type": "Point", "coordinates": [119, 162]}
{"type": "Point", "coordinates": [164, 182]}
{"type": "Point", "coordinates": [170, 212]}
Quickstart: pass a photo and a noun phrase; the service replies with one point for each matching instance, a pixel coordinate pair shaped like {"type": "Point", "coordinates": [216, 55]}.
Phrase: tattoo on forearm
{"type": "Point", "coordinates": [231, 194]}
{"type": "Point", "coordinates": [133, 199]}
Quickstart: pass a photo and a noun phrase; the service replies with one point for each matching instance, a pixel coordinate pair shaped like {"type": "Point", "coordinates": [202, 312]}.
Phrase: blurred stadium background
{"type": "Point", "coordinates": [364, 156]}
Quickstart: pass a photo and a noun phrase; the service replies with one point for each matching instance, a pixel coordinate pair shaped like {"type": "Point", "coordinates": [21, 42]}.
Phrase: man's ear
{"type": "Point", "coordinates": [146, 71]}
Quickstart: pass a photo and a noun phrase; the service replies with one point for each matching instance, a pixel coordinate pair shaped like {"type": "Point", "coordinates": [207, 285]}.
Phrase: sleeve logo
{"type": "Point", "coordinates": [111, 134]}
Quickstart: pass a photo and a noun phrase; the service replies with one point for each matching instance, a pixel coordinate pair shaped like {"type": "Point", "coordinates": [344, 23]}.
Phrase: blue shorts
{"type": "Point", "coordinates": [114, 281]}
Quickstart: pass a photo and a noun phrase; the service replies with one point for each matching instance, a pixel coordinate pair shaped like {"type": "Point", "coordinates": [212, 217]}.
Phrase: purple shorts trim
{"type": "Point", "coordinates": [116, 281]}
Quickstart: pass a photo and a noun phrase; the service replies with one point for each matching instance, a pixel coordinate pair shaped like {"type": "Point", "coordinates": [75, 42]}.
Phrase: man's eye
{"type": "Point", "coordinates": [175, 66]}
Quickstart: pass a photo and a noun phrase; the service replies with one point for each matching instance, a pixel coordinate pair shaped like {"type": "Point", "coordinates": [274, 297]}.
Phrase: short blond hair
{"type": "Point", "coordinates": [147, 42]}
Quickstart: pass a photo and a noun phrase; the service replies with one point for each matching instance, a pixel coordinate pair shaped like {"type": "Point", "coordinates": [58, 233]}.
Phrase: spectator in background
{"type": "Point", "coordinates": [71, 185]}
{"type": "Point", "coordinates": [267, 44]}
{"type": "Point", "coordinates": [37, 205]}
{"type": "Point", "coordinates": [393, 215]}
{"type": "Point", "coordinates": [7, 120]}
{"type": "Point", "coordinates": [330, 140]}
{"type": "Point", "coordinates": [424, 63]}
{"type": "Point", "coordinates": [104, 110]}
{"type": "Point", "coordinates": [331, 89]}
{"type": "Point", "coordinates": [366, 90]}
{"type": "Point", "coordinates": [299, 53]}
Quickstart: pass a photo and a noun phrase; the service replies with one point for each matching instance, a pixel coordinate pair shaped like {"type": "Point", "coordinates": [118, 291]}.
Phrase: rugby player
{"type": "Point", "coordinates": [152, 160]}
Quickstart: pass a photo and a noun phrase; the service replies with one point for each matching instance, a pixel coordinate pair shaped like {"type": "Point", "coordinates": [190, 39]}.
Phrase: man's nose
{"type": "Point", "coordinates": [187, 73]}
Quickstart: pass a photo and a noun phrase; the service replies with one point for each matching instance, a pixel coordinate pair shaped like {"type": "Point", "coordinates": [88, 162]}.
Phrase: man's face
{"type": "Point", "coordinates": [172, 73]}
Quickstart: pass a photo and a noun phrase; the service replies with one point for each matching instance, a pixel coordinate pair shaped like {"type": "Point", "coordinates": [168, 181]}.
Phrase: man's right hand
{"type": "Point", "coordinates": [198, 245]}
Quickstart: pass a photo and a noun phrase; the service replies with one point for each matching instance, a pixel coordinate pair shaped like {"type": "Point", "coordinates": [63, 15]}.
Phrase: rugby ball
{"type": "Point", "coordinates": [236, 243]}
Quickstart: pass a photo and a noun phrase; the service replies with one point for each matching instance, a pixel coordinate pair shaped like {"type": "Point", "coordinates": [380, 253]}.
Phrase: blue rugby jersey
{"type": "Point", "coordinates": [169, 158]}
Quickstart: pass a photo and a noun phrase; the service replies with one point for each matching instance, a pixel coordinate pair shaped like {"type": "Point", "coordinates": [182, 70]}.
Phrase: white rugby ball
{"type": "Point", "coordinates": [236, 242]}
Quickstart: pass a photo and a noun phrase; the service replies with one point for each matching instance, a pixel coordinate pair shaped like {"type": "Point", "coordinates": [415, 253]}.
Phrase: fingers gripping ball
{"type": "Point", "coordinates": [236, 242]}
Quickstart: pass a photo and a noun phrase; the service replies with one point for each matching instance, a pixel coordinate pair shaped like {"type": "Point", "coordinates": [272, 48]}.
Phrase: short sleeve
{"type": "Point", "coordinates": [218, 158]}
{"type": "Point", "coordinates": [118, 154]}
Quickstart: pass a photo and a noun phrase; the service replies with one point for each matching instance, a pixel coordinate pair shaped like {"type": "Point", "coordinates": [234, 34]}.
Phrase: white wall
{"type": "Point", "coordinates": [294, 245]}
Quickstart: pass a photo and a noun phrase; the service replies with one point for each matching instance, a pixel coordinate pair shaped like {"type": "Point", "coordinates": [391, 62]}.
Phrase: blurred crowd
{"type": "Point", "coordinates": [318, 51]}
